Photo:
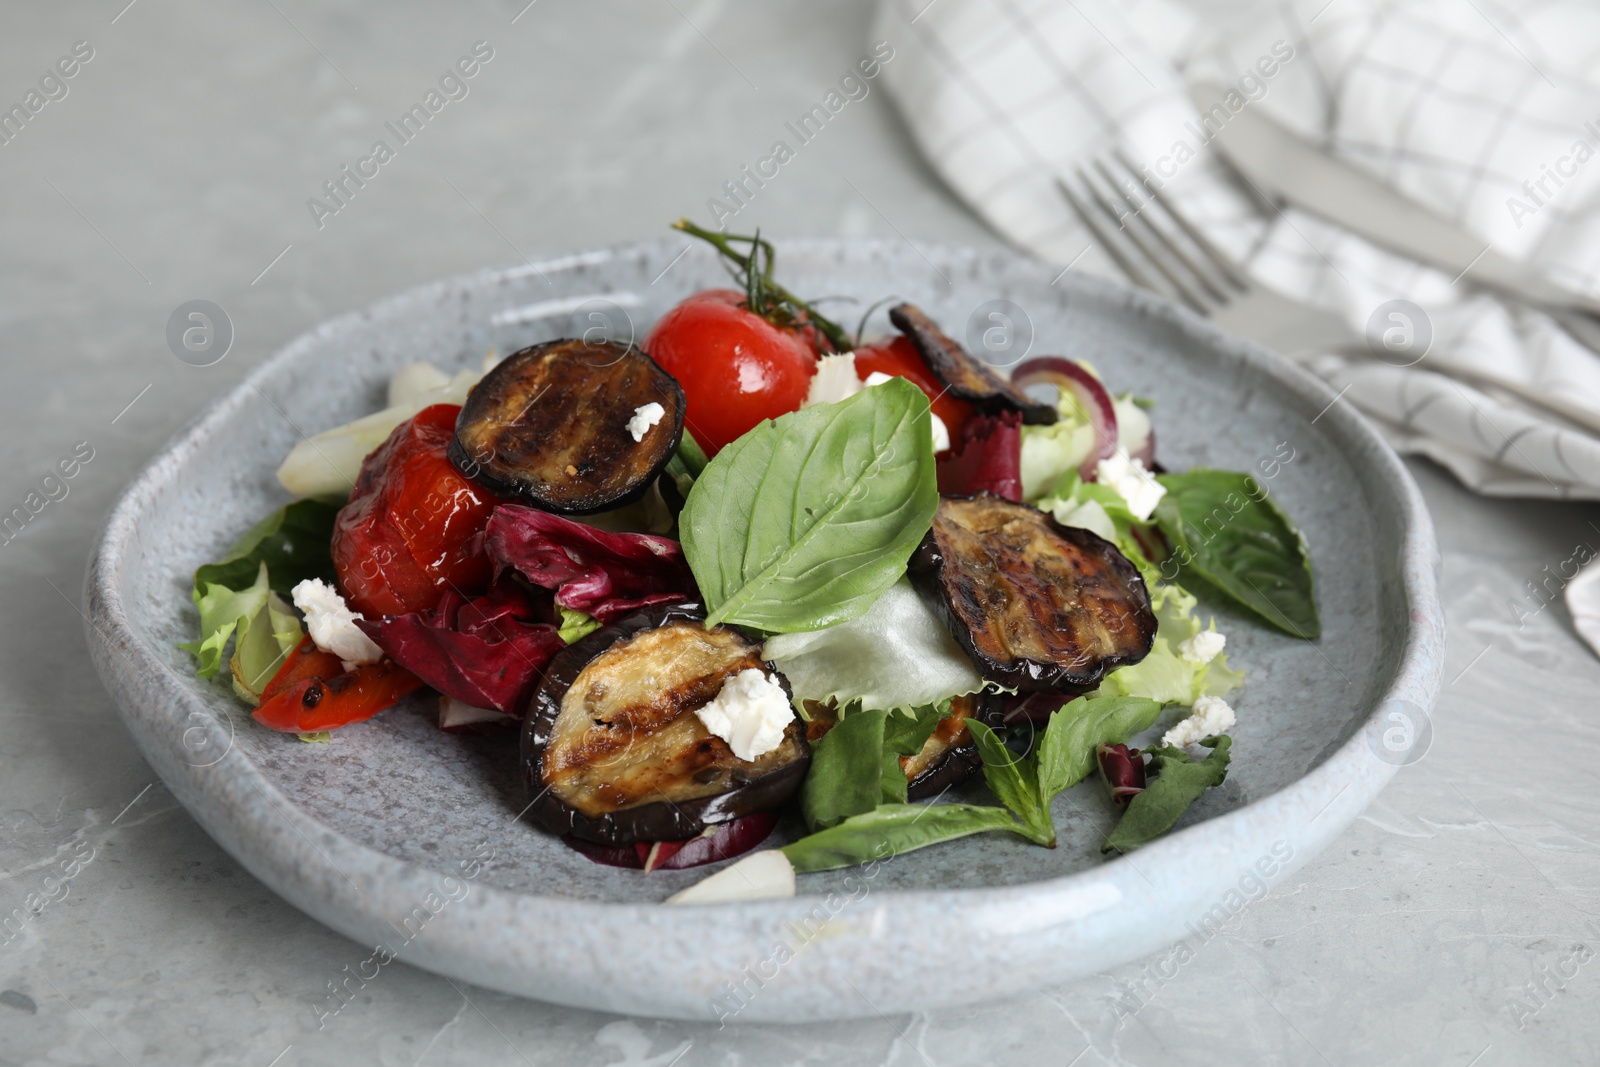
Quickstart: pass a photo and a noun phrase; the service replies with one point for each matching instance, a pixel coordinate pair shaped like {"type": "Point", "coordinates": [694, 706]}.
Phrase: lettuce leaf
{"type": "Point", "coordinates": [1165, 675]}
{"type": "Point", "coordinates": [576, 624]}
{"type": "Point", "coordinates": [222, 611]}
{"type": "Point", "coordinates": [896, 655]}
{"type": "Point", "coordinates": [262, 643]}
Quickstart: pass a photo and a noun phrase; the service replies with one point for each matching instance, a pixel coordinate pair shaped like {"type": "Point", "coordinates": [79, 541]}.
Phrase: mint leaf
{"type": "Point", "coordinates": [1178, 784]}
{"type": "Point", "coordinates": [1226, 528]}
{"type": "Point", "coordinates": [1066, 751]}
{"type": "Point", "coordinates": [890, 830]}
{"type": "Point", "coordinates": [804, 521]}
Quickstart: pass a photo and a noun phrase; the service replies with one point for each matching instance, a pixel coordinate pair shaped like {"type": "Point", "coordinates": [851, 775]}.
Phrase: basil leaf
{"type": "Point", "coordinates": [804, 521]}
{"type": "Point", "coordinates": [1178, 784]}
{"type": "Point", "coordinates": [904, 734]}
{"type": "Point", "coordinates": [1015, 780]}
{"type": "Point", "coordinates": [1066, 751]}
{"type": "Point", "coordinates": [890, 830]}
{"type": "Point", "coordinates": [1226, 528]}
{"type": "Point", "coordinates": [294, 542]}
{"type": "Point", "coordinates": [846, 772]}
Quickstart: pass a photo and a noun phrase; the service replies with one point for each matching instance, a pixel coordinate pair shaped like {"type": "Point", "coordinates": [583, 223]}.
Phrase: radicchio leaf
{"type": "Point", "coordinates": [488, 651]}
{"type": "Point", "coordinates": [606, 575]}
{"type": "Point", "coordinates": [1122, 769]}
{"type": "Point", "coordinates": [988, 457]}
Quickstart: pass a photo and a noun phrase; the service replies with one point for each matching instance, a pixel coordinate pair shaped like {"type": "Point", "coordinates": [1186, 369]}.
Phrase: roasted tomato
{"type": "Point", "coordinates": [736, 368]}
{"type": "Point", "coordinates": [613, 751]}
{"type": "Point", "coordinates": [401, 541]}
{"type": "Point", "coordinates": [313, 692]}
{"type": "Point", "coordinates": [553, 425]}
{"type": "Point", "coordinates": [899, 358]}
{"type": "Point", "coordinates": [1037, 605]}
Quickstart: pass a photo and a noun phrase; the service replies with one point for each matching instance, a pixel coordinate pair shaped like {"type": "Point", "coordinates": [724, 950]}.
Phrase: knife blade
{"type": "Point", "coordinates": [1281, 163]}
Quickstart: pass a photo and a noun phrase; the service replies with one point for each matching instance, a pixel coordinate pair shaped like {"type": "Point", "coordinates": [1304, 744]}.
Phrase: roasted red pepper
{"type": "Point", "coordinates": [402, 540]}
{"type": "Point", "coordinates": [313, 692]}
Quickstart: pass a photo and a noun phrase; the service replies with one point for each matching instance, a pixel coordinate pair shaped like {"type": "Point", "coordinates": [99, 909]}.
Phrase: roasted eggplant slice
{"type": "Point", "coordinates": [1036, 604]}
{"type": "Point", "coordinates": [613, 752]}
{"type": "Point", "coordinates": [950, 754]}
{"type": "Point", "coordinates": [967, 377]}
{"type": "Point", "coordinates": [551, 425]}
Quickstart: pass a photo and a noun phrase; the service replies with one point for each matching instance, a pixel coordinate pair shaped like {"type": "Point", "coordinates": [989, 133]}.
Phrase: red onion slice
{"type": "Point", "coordinates": [1070, 377]}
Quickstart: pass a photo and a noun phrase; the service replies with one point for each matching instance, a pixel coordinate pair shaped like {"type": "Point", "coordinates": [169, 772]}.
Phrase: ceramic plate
{"type": "Point", "coordinates": [402, 836]}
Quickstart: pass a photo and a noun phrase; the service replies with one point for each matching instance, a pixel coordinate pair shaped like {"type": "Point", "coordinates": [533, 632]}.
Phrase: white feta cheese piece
{"type": "Point", "coordinates": [1203, 647]}
{"type": "Point", "coordinates": [1211, 716]}
{"type": "Point", "coordinates": [762, 875]}
{"type": "Point", "coordinates": [1132, 483]}
{"type": "Point", "coordinates": [877, 377]}
{"type": "Point", "coordinates": [835, 379]}
{"type": "Point", "coordinates": [332, 625]}
{"type": "Point", "coordinates": [644, 418]}
{"type": "Point", "coordinates": [750, 713]}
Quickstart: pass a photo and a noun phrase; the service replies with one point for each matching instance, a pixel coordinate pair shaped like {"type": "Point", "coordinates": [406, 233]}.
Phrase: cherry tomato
{"type": "Point", "coordinates": [899, 358]}
{"type": "Point", "coordinates": [313, 692]}
{"type": "Point", "coordinates": [735, 367]}
{"type": "Point", "coordinates": [402, 539]}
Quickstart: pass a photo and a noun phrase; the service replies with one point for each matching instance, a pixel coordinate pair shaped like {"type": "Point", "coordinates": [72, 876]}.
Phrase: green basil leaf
{"type": "Point", "coordinates": [890, 830]}
{"type": "Point", "coordinates": [904, 734]}
{"type": "Point", "coordinates": [846, 772]}
{"type": "Point", "coordinates": [804, 521]}
{"type": "Point", "coordinates": [1067, 749]}
{"type": "Point", "coordinates": [1015, 780]}
{"type": "Point", "coordinates": [1225, 527]}
{"type": "Point", "coordinates": [1178, 784]}
{"type": "Point", "coordinates": [294, 542]}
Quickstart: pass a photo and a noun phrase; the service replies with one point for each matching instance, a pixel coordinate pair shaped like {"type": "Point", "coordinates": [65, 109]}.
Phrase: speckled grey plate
{"type": "Point", "coordinates": [397, 834]}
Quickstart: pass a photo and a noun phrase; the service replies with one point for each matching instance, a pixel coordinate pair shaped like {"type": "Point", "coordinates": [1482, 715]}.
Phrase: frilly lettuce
{"type": "Point", "coordinates": [222, 611]}
{"type": "Point", "coordinates": [1051, 453]}
{"type": "Point", "coordinates": [1164, 674]}
{"type": "Point", "coordinates": [262, 643]}
{"type": "Point", "coordinates": [895, 655]}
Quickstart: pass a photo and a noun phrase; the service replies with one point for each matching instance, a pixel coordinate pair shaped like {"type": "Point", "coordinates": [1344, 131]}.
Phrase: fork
{"type": "Point", "coordinates": [1156, 247]}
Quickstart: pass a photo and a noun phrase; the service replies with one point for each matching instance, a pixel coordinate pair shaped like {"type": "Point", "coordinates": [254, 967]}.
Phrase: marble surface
{"type": "Point", "coordinates": [1457, 922]}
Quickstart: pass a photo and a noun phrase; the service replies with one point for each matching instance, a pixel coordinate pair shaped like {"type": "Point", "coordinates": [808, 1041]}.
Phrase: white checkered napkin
{"type": "Point", "coordinates": [1453, 104]}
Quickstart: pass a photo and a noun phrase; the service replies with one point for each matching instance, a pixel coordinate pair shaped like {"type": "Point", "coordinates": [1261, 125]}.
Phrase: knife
{"type": "Point", "coordinates": [1281, 163]}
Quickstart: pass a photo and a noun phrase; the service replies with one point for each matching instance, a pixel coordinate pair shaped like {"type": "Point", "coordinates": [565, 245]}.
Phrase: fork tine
{"type": "Point", "coordinates": [1227, 269]}
{"type": "Point", "coordinates": [1217, 291]}
{"type": "Point", "coordinates": [1108, 239]}
{"type": "Point", "coordinates": [1135, 234]}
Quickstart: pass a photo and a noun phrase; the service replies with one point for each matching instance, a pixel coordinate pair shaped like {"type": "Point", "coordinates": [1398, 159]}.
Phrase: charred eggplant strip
{"type": "Point", "coordinates": [967, 377]}
{"type": "Point", "coordinates": [950, 754]}
{"type": "Point", "coordinates": [1036, 604]}
{"type": "Point", "coordinates": [551, 424]}
{"type": "Point", "coordinates": [613, 752]}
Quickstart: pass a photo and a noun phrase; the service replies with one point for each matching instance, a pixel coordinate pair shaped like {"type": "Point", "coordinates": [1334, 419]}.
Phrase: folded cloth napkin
{"type": "Point", "coordinates": [1486, 112]}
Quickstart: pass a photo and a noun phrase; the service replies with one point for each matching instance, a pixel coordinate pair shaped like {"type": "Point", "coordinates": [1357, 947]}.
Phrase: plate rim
{"type": "Point", "coordinates": [291, 862]}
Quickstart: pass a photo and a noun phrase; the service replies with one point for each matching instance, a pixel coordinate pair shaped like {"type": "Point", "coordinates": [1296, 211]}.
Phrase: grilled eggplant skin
{"type": "Point", "coordinates": [1037, 605]}
{"type": "Point", "coordinates": [613, 752]}
{"type": "Point", "coordinates": [549, 425]}
{"type": "Point", "coordinates": [950, 755]}
{"type": "Point", "coordinates": [968, 378]}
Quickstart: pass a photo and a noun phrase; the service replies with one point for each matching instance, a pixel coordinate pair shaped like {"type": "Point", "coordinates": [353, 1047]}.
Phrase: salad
{"type": "Point", "coordinates": [760, 569]}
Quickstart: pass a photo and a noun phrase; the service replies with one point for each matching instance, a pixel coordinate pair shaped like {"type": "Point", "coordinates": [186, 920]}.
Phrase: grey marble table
{"type": "Point", "coordinates": [1455, 923]}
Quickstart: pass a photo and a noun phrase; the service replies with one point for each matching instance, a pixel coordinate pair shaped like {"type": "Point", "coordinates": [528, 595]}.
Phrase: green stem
{"type": "Point", "coordinates": [764, 296]}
